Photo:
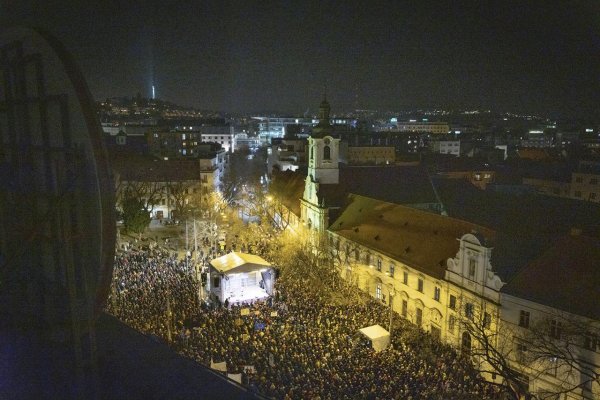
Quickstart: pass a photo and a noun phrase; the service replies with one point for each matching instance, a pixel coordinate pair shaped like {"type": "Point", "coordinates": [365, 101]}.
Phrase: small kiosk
{"type": "Point", "coordinates": [239, 277]}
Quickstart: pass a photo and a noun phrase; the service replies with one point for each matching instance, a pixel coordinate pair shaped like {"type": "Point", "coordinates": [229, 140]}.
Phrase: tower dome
{"type": "Point", "coordinates": [323, 128]}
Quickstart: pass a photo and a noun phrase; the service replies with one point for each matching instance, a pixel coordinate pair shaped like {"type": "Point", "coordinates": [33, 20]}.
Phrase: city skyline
{"type": "Point", "coordinates": [510, 56]}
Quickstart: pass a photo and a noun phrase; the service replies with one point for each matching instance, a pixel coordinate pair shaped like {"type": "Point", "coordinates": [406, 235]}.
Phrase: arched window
{"type": "Point", "coordinates": [466, 342]}
{"type": "Point", "coordinates": [326, 153]}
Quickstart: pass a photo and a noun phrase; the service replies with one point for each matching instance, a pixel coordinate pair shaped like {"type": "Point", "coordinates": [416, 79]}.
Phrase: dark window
{"type": "Point", "coordinates": [326, 153]}
{"type": "Point", "coordinates": [451, 322]}
{"type": "Point", "coordinates": [466, 342]}
{"type": "Point", "coordinates": [404, 308]}
{"type": "Point", "coordinates": [524, 319]}
{"type": "Point", "coordinates": [216, 282]}
{"type": "Point", "coordinates": [436, 293]}
{"type": "Point", "coordinates": [594, 181]}
{"type": "Point", "coordinates": [591, 342]}
{"type": "Point", "coordinates": [379, 264]}
{"type": "Point", "coordinates": [405, 278]}
{"type": "Point", "coordinates": [521, 352]}
{"type": "Point", "coordinates": [392, 267]}
{"type": "Point", "coordinates": [472, 265]}
{"type": "Point", "coordinates": [469, 310]}
{"type": "Point", "coordinates": [487, 320]}
{"type": "Point", "coordinates": [436, 332]}
{"type": "Point", "coordinates": [452, 302]}
{"type": "Point", "coordinates": [555, 329]}
{"type": "Point", "coordinates": [419, 317]}
{"type": "Point", "coordinates": [420, 285]}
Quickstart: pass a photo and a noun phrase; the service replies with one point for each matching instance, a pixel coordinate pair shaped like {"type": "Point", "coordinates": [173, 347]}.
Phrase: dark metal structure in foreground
{"type": "Point", "coordinates": [57, 225]}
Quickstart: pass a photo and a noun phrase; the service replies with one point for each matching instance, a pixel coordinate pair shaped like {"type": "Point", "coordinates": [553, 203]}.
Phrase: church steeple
{"type": "Point", "coordinates": [323, 169]}
{"type": "Point", "coordinates": [323, 128]}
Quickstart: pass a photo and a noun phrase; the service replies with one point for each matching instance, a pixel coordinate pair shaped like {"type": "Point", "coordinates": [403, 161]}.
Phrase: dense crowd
{"type": "Point", "coordinates": [297, 346]}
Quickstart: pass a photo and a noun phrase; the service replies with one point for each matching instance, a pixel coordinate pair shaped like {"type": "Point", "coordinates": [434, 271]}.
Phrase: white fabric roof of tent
{"type": "Point", "coordinates": [242, 262]}
{"type": "Point", "coordinates": [374, 332]}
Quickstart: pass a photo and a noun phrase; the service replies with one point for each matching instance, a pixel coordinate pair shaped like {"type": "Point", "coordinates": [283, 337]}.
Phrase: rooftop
{"type": "Point", "coordinates": [566, 276]}
{"type": "Point", "coordinates": [417, 238]}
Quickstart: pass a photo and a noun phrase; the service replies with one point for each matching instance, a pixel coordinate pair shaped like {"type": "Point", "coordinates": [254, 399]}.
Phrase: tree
{"type": "Point", "coordinates": [492, 352]}
{"type": "Point", "coordinates": [180, 193]}
{"type": "Point", "coordinates": [135, 216]}
{"type": "Point", "coordinates": [137, 201]}
{"type": "Point", "coordinates": [552, 346]}
{"type": "Point", "coordinates": [557, 345]}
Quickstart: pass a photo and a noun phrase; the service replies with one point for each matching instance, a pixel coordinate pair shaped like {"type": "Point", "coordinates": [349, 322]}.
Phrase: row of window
{"type": "Point", "coordinates": [593, 181]}
{"type": "Point", "coordinates": [578, 194]}
{"type": "Point", "coordinates": [590, 341]}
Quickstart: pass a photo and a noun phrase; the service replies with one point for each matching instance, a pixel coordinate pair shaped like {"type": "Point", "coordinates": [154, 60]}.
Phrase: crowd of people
{"type": "Point", "coordinates": [297, 345]}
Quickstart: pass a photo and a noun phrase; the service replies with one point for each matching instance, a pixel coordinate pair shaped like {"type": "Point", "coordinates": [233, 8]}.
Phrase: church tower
{"type": "Point", "coordinates": [323, 150]}
{"type": "Point", "coordinates": [323, 169]}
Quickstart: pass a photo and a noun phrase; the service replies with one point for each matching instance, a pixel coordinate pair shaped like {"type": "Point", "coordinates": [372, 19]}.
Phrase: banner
{"type": "Point", "coordinates": [235, 377]}
{"type": "Point", "coordinates": [220, 366]}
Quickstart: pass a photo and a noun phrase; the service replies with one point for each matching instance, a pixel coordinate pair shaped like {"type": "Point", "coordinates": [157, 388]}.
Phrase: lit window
{"type": "Point", "coordinates": [378, 291]}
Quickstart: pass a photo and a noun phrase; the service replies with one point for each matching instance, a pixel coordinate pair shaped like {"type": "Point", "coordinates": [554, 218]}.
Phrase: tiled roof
{"type": "Point", "coordinates": [566, 276]}
{"type": "Point", "coordinates": [394, 184]}
{"type": "Point", "coordinates": [417, 238]}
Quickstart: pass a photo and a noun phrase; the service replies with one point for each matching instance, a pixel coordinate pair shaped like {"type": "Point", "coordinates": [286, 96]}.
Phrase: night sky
{"type": "Point", "coordinates": [531, 57]}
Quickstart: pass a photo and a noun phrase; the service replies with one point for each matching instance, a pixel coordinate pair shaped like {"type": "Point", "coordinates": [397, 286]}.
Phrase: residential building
{"type": "Point", "coordinates": [423, 126]}
{"type": "Point", "coordinates": [361, 155]}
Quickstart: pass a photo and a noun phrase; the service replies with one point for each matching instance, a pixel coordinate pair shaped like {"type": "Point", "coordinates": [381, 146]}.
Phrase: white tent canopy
{"type": "Point", "coordinates": [377, 335]}
{"type": "Point", "coordinates": [238, 262]}
{"type": "Point", "coordinates": [240, 277]}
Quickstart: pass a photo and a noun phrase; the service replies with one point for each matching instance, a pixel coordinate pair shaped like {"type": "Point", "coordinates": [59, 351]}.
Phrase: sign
{"type": "Point", "coordinates": [274, 313]}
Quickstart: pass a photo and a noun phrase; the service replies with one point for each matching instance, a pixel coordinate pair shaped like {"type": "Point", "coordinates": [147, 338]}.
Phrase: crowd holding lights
{"type": "Point", "coordinates": [296, 345]}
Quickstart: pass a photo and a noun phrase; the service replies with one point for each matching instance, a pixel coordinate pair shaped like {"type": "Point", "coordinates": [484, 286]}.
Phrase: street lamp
{"type": "Point", "coordinates": [392, 293]}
